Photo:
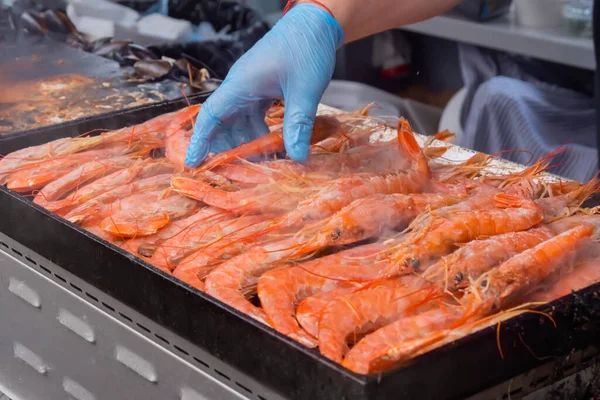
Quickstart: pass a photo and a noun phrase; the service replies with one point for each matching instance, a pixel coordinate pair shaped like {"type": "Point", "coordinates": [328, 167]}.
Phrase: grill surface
{"type": "Point", "coordinates": [48, 83]}
{"type": "Point", "coordinates": [264, 355]}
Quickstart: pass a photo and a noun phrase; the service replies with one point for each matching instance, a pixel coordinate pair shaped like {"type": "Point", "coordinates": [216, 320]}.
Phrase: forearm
{"type": "Point", "coordinates": [360, 18]}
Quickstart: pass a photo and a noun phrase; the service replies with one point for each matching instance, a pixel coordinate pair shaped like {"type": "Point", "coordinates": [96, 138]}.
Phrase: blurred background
{"type": "Point", "coordinates": [502, 74]}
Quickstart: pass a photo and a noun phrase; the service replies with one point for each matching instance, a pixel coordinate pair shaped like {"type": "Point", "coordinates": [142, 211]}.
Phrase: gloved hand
{"type": "Point", "coordinates": [293, 62]}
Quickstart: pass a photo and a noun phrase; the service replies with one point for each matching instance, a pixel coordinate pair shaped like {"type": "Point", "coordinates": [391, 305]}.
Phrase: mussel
{"type": "Point", "coordinates": [152, 69]}
{"type": "Point", "coordinates": [112, 47]}
{"type": "Point", "coordinates": [180, 70]}
{"type": "Point", "coordinates": [124, 52]}
{"type": "Point", "coordinates": [58, 22]}
{"type": "Point", "coordinates": [142, 53]}
{"type": "Point", "coordinates": [32, 23]}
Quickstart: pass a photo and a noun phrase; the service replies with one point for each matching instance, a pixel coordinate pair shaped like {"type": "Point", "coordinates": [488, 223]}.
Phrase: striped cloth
{"type": "Point", "coordinates": [507, 108]}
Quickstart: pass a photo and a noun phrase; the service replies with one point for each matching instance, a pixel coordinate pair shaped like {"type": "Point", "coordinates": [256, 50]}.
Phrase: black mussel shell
{"type": "Point", "coordinates": [67, 22]}
{"type": "Point", "coordinates": [32, 23]}
{"type": "Point", "coordinates": [152, 69]}
{"type": "Point", "coordinates": [98, 43]}
{"type": "Point", "coordinates": [182, 64]}
{"type": "Point", "coordinates": [199, 64]}
{"type": "Point", "coordinates": [156, 51]}
{"type": "Point", "coordinates": [141, 53]}
{"type": "Point", "coordinates": [55, 22]}
{"type": "Point", "coordinates": [179, 75]}
{"type": "Point", "coordinates": [113, 47]}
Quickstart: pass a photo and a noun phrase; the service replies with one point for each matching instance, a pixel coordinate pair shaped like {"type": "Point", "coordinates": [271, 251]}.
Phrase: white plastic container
{"type": "Point", "coordinates": [539, 13]}
{"type": "Point", "coordinates": [103, 10]}
{"type": "Point", "coordinates": [156, 29]}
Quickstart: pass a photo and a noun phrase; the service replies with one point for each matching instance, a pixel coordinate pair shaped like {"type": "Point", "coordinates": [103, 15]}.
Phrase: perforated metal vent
{"type": "Point", "coordinates": [105, 324]}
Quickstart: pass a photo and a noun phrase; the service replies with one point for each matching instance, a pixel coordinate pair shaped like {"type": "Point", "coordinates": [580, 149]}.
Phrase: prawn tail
{"type": "Point", "coordinates": [469, 168]}
{"type": "Point", "coordinates": [431, 292]}
{"type": "Point", "coordinates": [191, 188]}
{"type": "Point", "coordinates": [432, 153]}
{"type": "Point", "coordinates": [397, 353]}
{"type": "Point", "coordinates": [364, 112]}
{"type": "Point", "coordinates": [580, 195]}
{"type": "Point", "coordinates": [58, 205]}
{"type": "Point", "coordinates": [543, 164]}
{"type": "Point", "coordinates": [83, 213]}
{"type": "Point", "coordinates": [444, 136]}
{"type": "Point", "coordinates": [508, 200]}
{"type": "Point", "coordinates": [406, 140]}
{"type": "Point", "coordinates": [257, 230]}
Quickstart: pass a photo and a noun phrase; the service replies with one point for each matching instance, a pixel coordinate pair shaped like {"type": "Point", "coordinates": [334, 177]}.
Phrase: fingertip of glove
{"type": "Point", "coordinates": [190, 163]}
{"type": "Point", "coordinates": [298, 152]}
{"type": "Point", "coordinates": [196, 154]}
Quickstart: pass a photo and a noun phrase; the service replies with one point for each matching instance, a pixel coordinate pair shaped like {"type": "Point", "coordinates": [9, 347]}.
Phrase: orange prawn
{"type": "Point", "coordinates": [440, 235]}
{"type": "Point", "coordinates": [30, 156]}
{"type": "Point", "coordinates": [238, 277]}
{"type": "Point", "coordinates": [583, 275]}
{"type": "Point", "coordinates": [565, 205]}
{"type": "Point", "coordinates": [149, 131]}
{"type": "Point", "coordinates": [271, 143]}
{"type": "Point", "coordinates": [36, 176]}
{"type": "Point", "coordinates": [261, 173]}
{"type": "Point", "coordinates": [101, 206]}
{"type": "Point", "coordinates": [382, 303]}
{"type": "Point", "coordinates": [233, 280]}
{"type": "Point", "coordinates": [141, 169]}
{"type": "Point", "coordinates": [267, 198]}
{"type": "Point", "coordinates": [370, 216]}
{"type": "Point", "coordinates": [199, 237]}
{"type": "Point", "coordinates": [147, 219]}
{"type": "Point", "coordinates": [281, 289]}
{"type": "Point", "coordinates": [345, 190]}
{"type": "Point", "coordinates": [80, 176]}
{"type": "Point", "coordinates": [503, 285]}
{"type": "Point", "coordinates": [146, 246]}
{"type": "Point", "coordinates": [309, 310]}
{"type": "Point", "coordinates": [364, 158]}
{"type": "Point", "coordinates": [354, 315]}
{"type": "Point", "coordinates": [298, 246]}
{"type": "Point", "coordinates": [455, 271]}
{"type": "Point", "coordinates": [226, 240]}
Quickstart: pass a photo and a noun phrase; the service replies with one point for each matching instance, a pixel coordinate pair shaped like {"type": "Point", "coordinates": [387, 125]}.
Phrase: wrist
{"type": "Point", "coordinates": [328, 13]}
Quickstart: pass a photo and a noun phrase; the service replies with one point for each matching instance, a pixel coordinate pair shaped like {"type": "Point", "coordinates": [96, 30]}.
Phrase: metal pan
{"type": "Point", "coordinates": [454, 371]}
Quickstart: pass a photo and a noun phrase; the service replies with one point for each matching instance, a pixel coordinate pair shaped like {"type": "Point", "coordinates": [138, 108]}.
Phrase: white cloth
{"type": "Point", "coordinates": [508, 109]}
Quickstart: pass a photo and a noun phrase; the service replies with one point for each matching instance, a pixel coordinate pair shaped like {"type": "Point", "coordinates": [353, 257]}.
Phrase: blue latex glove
{"type": "Point", "coordinates": [293, 62]}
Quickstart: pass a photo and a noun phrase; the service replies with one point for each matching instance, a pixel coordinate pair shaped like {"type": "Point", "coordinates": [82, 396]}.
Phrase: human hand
{"type": "Point", "coordinates": [293, 62]}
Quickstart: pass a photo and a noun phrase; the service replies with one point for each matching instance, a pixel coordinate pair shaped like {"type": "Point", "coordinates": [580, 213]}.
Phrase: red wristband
{"type": "Point", "coordinates": [291, 3]}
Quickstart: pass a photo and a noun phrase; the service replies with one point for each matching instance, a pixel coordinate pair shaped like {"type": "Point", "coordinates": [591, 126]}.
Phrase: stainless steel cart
{"type": "Point", "coordinates": [62, 338]}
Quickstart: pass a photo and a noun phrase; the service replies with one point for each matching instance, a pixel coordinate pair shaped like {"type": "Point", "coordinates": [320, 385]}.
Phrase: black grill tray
{"type": "Point", "coordinates": [454, 371]}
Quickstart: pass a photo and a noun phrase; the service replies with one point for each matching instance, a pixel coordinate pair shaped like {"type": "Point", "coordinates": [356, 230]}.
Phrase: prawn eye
{"type": "Point", "coordinates": [458, 278]}
{"type": "Point", "coordinates": [335, 235]}
{"type": "Point", "coordinates": [414, 263]}
{"type": "Point", "coordinates": [484, 283]}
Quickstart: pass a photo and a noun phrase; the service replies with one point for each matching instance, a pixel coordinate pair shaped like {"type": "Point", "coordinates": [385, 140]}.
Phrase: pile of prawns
{"type": "Point", "coordinates": [372, 252]}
